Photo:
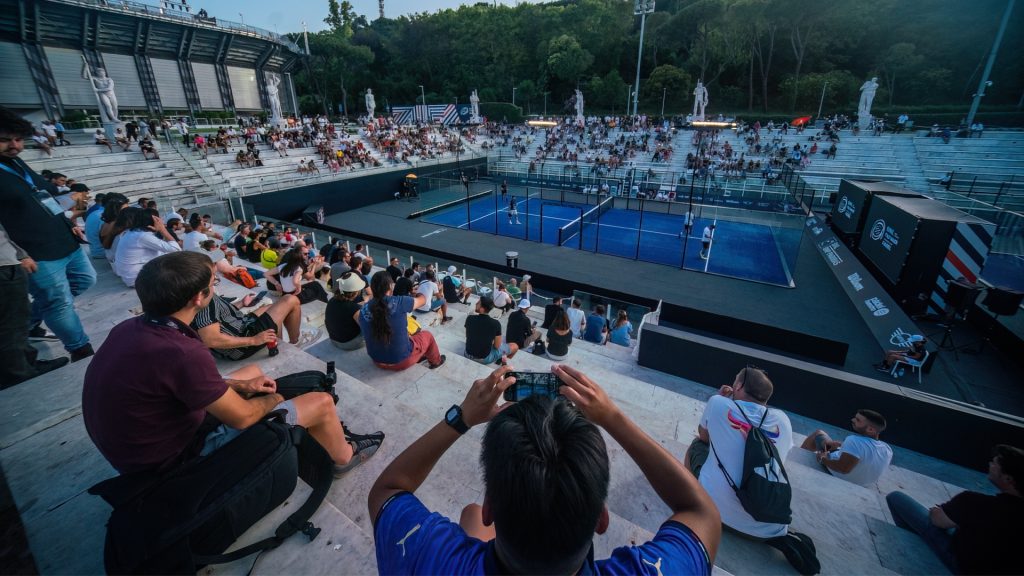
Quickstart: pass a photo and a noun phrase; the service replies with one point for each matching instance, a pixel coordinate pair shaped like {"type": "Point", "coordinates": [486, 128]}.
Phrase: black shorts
{"type": "Point", "coordinates": [253, 326]}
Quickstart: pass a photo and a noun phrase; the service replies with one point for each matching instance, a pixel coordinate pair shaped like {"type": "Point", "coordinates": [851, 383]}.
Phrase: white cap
{"type": "Point", "coordinates": [451, 269]}
{"type": "Point", "coordinates": [526, 277]}
{"type": "Point", "coordinates": [524, 303]}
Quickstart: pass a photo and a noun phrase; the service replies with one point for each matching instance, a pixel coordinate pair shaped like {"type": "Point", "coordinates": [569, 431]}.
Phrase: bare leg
{"type": "Point", "coordinates": [811, 442]}
{"type": "Point", "coordinates": [246, 372]}
{"type": "Point", "coordinates": [472, 521]}
{"type": "Point", "coordinates": [287, 312]}
{"type": "Point", "coordinates": [316, 413]}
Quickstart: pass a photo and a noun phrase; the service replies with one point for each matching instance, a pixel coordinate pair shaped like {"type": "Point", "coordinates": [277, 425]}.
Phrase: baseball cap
{"type": "Point", "coordinates": [524, 303]}
{"type": "Point", "coordinates": [451, 269]}
{"type": "Point", "coordinates": [526, 277]}
{"type": "Point", "coordinates": [172, 217]}
{"type": "Point", "coordinates": [349, 282]}
{"type": "Point", "coordinates": [917, 338]}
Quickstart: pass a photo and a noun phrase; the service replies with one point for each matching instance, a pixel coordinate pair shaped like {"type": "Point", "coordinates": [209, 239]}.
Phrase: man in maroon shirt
{"type": "Point", "coordinates": [153, 383]}
{"type": "Point", "coordinates": [973, 533]}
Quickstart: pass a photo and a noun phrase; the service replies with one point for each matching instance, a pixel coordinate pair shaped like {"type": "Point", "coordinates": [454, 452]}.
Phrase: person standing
{"type": "Point", "coordinates": [35, 222]}
{"type": "Point", "coordinates": [504, 189]}
{"type": "Point", "coordinates": [513, 210]}
{"type": "Point", "coordinates": [705, 241]}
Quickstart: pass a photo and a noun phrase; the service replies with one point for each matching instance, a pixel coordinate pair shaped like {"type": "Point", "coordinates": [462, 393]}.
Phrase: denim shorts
{"type": "Point", "coordinates": [223, 434]}
{"type": "Point", "coordinates": [493, 356]}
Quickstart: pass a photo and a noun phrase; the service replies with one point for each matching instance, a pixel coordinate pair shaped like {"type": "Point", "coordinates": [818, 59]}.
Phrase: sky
{"type": "Point", "coordinates": [287, 15]}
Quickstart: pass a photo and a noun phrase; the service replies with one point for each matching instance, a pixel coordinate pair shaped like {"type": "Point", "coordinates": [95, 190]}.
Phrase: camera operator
{"type": "Point", "coordinates": [546, 476]}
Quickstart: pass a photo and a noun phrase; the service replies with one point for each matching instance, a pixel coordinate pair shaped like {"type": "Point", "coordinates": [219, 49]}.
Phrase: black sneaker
{"type": "Point", "coordinates": [82, 353]}
{"type": "Point", "coordinates": [446, 319]}
{"type": "Point", "coordinates": [44, 366]}
{"type": "Point", "coordinates": [882, 368]}
{"type": "Point", "coordinates": [362, 450]}
{"type": "Point", "coordinates": [353, 437]}
{"type": "Point", "coordinates": [39, 333]}
{"type": "Point", "coordinates": [439, 364]}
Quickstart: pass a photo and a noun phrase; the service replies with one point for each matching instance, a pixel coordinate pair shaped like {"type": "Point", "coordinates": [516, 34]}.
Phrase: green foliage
{"type": "Point", "coordinates": [501, 111]}
{"type": "Point", "coordinates": [752, 54]}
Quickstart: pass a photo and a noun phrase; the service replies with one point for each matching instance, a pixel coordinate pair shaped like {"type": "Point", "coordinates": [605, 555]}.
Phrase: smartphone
{"type": "Point", "coordinates": [532, 384]}
{"type": "Point", "coordinates": [259, 296]}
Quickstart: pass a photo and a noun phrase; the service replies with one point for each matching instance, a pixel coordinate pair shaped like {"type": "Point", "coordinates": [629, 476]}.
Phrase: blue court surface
{"type": "Point", "coordinates": [757, 252]}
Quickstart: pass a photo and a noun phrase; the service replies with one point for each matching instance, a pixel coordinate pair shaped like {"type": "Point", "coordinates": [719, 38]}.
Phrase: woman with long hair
{"type": "Point", "coordinates": [384, 324]}
{"type": "Point", "coordinates": [559, 337]}
{"type": "Point", "coordinates": [621, 330]}
{"type": "Point", "coordinates": [287, 278]}
{"type": "Point", "coordinates": [145, 238]}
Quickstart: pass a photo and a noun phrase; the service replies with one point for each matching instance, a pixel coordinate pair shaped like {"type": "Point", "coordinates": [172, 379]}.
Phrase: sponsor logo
{"type": "Point", "coordinates": [900, 337]}
{"type": "Point", "coordinates": [876, 306]}
{"type": "Point", "coordinates": [877, 229]}
{"type": "Point", "coordinates": [830, 249]}
{"type": "Point", "coordinates": [846, 207]}
{"type": "Point", "coordinates": [855, 281]}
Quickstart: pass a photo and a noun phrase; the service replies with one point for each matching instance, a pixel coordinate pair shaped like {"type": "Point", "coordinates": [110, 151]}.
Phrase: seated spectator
{"type": "Point", "coordinates": [432, 297]}
{"type": "Point", "coordinates": [503, 300]}
{"type": "Point", "coordinates": [726, 419]}
{"type": "Point", "coordinates": [200, 144]}
{"type": "Point", "coordinates": [341, 318]}
{"type": "Point", "coordinates": [559, 337]}
{"type": "Point", "coordinates": [862, 457]}
{"type": "Point", "coordinates": [101, 139]}
{"type": "Point", "coordinates": [43, 143]}
{"type": "Point", "coordinates": [234, 335]}
{"type": "Point", "coordinates": [144, 238]}
{"type": "Point", "coordinates": [551, 312]}
{"type": "Point", "coordinates": [151, 386]}
{"type": "Point", "coordinates": [146, 147]}
{"type": "Point", "coordinates": [915, 352]}
{"type": "Point", "coordinates": [546, 476]}
{"type": "Point", "coordinates": [483, 335]}
{"type": "Point", "coordinates": [621, 330]}
{"type": "Point", "coordinates": [385, 327]}
{"type": "Point", "coordinates": [270, 254]}
{"type": "Point", "coordinates": [393, 269]}
{"type": "Point", "coordinates": [404, 285]}
{"type": "Point", "coordinates": [577, 318]}
{"type": "Point", "coordinates": [287, 279]}
{"type": "Point", "coordinates": [596, 330]}
{"type": "Point", "coordinates": [520, 330]}
{"type": "Point", "coordinates": [122, 140]}
{"type": "Point", "coordinates": [454, 290]}
{"type": "Point", "coordinates": [973, 533]}
{"type": "Point", "coordinates": [219, 257]}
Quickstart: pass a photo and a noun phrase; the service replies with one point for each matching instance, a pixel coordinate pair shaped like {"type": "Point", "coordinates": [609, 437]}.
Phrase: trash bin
{"type": "Point", "coordinates": [512, 259]}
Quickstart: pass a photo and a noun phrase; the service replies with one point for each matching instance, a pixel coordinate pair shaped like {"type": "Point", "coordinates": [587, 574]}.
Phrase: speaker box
{"type": "Point", "coordinates": [1003, 301]}
{"type": "Point", "coordinates": [961, 294]}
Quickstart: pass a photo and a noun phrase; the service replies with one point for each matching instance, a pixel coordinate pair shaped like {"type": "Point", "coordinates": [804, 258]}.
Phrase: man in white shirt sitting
{"type": "Point", "coordinates": [434, 298]}
{"type": "Point", "coordinates": [862, 457]}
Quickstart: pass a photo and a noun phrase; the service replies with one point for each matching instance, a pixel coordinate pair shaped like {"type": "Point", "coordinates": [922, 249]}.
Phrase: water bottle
{"type": "Point", "coordinates": [900, 373]}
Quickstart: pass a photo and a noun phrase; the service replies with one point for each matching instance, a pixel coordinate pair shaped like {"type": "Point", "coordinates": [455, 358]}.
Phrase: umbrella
{"type": "Point", "coordinates": [800, 121]}
{"type": "Point", "coordinates": [411, 175]}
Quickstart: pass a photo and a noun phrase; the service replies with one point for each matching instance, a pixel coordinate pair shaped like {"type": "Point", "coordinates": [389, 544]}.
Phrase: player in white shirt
{"type": "Point", "coordinates": [862, 457]}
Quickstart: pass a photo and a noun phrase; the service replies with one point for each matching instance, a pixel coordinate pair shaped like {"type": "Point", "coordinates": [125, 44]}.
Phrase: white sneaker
{"type": "Point", "coordinates": [309, 337]}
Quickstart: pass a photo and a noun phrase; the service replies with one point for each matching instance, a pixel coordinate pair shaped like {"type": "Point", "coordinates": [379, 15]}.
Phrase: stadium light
{"type": "Point", "coordinates": [640, 8]}
{"type": "Point", "coordinates": [542, 123]}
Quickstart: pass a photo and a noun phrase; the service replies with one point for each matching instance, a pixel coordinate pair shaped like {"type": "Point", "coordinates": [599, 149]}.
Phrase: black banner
{"type": "Point", "coordinates": [890, 326]}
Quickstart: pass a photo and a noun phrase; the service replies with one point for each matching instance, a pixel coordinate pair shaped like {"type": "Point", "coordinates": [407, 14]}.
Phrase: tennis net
{"type": "Point", "coordinates": [576, 228]}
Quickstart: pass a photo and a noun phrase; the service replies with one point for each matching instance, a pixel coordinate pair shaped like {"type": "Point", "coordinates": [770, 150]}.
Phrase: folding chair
{"type": "Point", "coordinates": [915, 365]}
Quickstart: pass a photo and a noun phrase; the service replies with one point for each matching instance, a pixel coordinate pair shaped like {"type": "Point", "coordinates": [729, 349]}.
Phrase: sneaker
{"type": "Point", "coordinates": [446, 320]}
{"type": "Point", "coordinates": [309, 337]}
{"type": "Point", "coordinates": [439, 364]}
{"type": "Point", "coordinates": [353, 437]}
{"type": "Point", "coordinates": [362, 450]}
{"type": "Point", "coordinates": [39, 333]}
{"type": "Point", "coordinates": [882, 368]}
{"type": "Point", "coordinates": [44, 366]}
{"type": "Point", "coordinates": [81, 353]}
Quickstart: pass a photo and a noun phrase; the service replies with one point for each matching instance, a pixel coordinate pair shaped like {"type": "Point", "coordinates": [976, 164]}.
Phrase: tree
{"type": "Point", "coordinates": [899, 60]}
{"type": "Point", "coordinates": [670, 81]}
{"type": "Point", "coordinates": [341, 17]}
{"type": "Point", "coordinates": [567, 60]}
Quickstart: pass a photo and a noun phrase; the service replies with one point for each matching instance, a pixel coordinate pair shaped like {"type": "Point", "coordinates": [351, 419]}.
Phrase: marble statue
{"type": "Point", "coordinates": [867, 96]}
{"type": "Point", "coordinates": [274, 96]}
{"type": "Point", "coordinates": [700, 100]}
{"type": "Point", "coordinates": [579, 105]}
{"type": "Point", "coordinates": [371, 103]}
{"type": "Point", "coordinates": [103, 86]}
{"type": "Point", "coordinates": [474, 101]}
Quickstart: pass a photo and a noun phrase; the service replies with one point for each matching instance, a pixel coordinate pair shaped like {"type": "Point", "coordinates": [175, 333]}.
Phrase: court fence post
{"type": "Point", "coordinates": [639, 230]}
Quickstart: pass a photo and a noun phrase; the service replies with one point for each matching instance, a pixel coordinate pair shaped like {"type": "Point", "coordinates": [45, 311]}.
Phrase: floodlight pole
{"type": "Point", "coordinates": [984, 83]}
{"type": "Point", "coordinates": [423, 96]}
{"type": "Point", "coordinates": [664, 92]}
{"type": "Point", "coordinates": [546, 104]}
{"type": "Point", "coordinates": [821, 102]}
{"type": "Point", "coordinates": [641, 8]}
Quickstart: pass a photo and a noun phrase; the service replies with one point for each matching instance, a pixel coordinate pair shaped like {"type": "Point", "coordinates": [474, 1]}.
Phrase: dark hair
{"type": "Point", "coordinates": [129, 216]}
{"type": "Point", "coordinates": [429, 275]}
{"type": "Point", "coordinates": [546, 476]}
{"type": "Point", "coordinates": [486, 302]}
{"type": "Point", "coordinates": [561, 321]}
{"type": "Point", "coordinates": [409, 273]}
{"type": "Point", "coordinates": [356, 263]}
{"type": "Point", "coordinates": [416, 265]}
{"type": "Point", "coordinates": [757, 384]}
{"type": "Point", "coordinates": [14, 125]}
{"type": "Point", "coordinates": [167, 283]}
{"type": "Point", "coordinates": [112, 207]}
{"type": "Point", "coordinates": [1011, 460]}
{"type": "Point", "coordinates": [380, 328]}
{"type": "Point", "coordinates": [599, 309]}
{"type": "Point", "coordinates": [195, 221]}
{"type": "Point", "coordinates": [576, 303]}
{"type": "Point", "coordinates": [366, 268]}
{"type": "Point", "coordinates": [141, 219]}
{"type": "Point", "coordinates": [874, 417]}
{"type": "Point", "coordinates": [291, 260]}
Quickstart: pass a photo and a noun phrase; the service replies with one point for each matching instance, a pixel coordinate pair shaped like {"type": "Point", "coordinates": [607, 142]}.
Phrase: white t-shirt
{"type": "Point", "coordinates": [576, 317]}
{"type": "Point", "coordinates": [191, 240]}
{"type": "Point", "coordinates": [137, 247]}
{"type": "Point", "coordinates": [728, 431]}
{"type": "Point", "coordinates": [287, 282]}
{"type": "Point", "coordinates": [428, 289]}
{"type": "Point", "coordinates": [501, 299]}
{"type": "Point", "coordinates": [873, 455]}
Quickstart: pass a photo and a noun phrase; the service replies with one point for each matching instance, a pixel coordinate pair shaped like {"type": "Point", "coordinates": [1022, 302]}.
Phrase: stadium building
{"type": "Point", "coordinates": [165, 59]}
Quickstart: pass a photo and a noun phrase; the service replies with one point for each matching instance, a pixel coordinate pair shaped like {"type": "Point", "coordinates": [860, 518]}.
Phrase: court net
{"type": "Point", "coordinates": [575, 228]}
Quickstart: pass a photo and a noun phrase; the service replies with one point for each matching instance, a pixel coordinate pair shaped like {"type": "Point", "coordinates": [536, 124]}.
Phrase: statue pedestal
{"type": "Point", "coordinates": [864, 122]}
{"type": "Point", "coordinates": [110, 128]}
{"type": "Point", "coordinates": [278, 122]}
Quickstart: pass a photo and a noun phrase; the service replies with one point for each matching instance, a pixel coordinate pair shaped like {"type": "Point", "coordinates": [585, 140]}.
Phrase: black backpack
{"type": "Point", "coordinates": [300, 383]}
{"type": "Point", "coordinates": [178, 521]}
{"type": "Point", "coordinates": [764, 490]}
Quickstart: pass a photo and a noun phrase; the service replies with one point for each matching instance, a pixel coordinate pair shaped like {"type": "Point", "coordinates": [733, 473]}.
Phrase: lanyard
{"type": "Point", "coordinates": [23, 175]}
{"type": "Point", "coordinates": [166, 323]}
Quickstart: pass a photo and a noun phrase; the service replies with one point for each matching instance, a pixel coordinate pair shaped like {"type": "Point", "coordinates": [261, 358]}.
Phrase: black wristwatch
{"type": "Point", "coordinates": [453, 417]}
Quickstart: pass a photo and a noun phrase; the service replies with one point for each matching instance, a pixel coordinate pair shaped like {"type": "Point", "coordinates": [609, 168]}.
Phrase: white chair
{"type": "Point", "coordinates": [915, 365]}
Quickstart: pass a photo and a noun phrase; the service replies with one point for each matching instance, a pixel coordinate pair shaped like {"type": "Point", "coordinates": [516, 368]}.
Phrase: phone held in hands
{"type": "Point", "coordinates": [529, 384]}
